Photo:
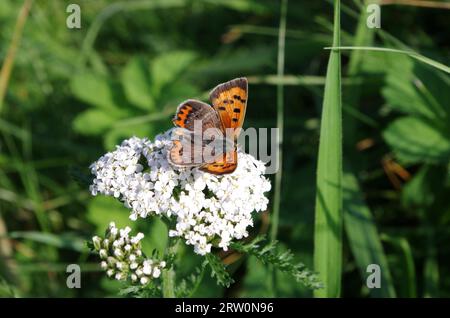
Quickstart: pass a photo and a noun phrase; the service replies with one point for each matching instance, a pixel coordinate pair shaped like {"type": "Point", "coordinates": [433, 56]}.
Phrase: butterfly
{"type": "Point", "coordinates": [223, 120]}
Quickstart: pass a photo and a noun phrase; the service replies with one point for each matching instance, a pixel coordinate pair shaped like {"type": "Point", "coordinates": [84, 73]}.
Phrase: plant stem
{"type": "Point", "coordinates": [168, 275]}
{"type": "Point", "coordinates": [168, 280]}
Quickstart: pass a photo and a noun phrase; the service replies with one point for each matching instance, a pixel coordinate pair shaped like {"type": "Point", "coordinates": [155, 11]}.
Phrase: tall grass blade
{"type": "Point", "coordinates": [406, 263]}
{"type": "Point", "coordinates": [363, 237]}
{"type": "Point", "coordinates": [280, 120]}
{"type": "Point", "coordinates": [328, 214]}
{"type": "Point", "coordinates": [411, 54]}
{"type": "Point", "coordinates": [280, 124]}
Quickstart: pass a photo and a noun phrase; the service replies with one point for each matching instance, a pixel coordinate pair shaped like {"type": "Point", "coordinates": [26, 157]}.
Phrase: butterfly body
{"type": "Point", "coordinates": [211, 129]}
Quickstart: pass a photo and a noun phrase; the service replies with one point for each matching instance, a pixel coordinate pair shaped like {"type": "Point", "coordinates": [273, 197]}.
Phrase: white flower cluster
{"type": "Point", "coordinates": [122, 257]}
{"type": "Point", "coordinates": [210, 210]}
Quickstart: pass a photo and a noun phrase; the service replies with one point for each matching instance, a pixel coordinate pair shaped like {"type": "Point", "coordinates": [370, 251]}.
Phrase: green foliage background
{"type": "Point", "coordinates": [74, 94]}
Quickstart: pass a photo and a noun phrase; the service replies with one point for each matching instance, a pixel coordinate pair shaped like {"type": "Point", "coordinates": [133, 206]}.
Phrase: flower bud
{"type": "Point", "coordinates": [156, 272]}
{"type": "Point", "coordinates": [144, 280]}
{"type": "Point", "coordinates": [97, 241]}
{"type": "Point", "coordinates": [103, 254]}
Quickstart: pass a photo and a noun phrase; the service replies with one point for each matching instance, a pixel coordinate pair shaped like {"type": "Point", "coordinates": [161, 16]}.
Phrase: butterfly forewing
{"type": "Point", "coordinates": [230, 101]}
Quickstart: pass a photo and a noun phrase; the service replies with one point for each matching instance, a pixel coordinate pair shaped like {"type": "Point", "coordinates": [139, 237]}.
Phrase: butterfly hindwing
{"type": "Point", "coordinates": [227, 163]}
{"type": "Point", "coordinates": [191, 110]}
{"type": "Point", "coordinates": [230, 101]}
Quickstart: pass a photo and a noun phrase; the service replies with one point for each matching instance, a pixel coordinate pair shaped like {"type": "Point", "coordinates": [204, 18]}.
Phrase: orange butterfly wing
{"type": "Point", "coordinates": [227, 164]}
{"type": "Point", "coordinates": [230, 101]}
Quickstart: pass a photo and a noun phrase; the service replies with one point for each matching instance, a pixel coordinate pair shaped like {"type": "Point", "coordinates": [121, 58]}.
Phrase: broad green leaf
{"type": "Point", "coordinates": [411, 88]}
{"type": "Point", "coordinates": [93, 122]}
{"type": "Point", "coordinates": [421, 191]}
{"type": "Point", "coordinates": [415, 140]}
{"type": "Point", "coordinates": [363, 238]}
{"type": "Point", "coordinates": [328, 222]}
{"type": "Point", "coordinates": [136, 83]}
{"type": "Point", "coordinates": [167, 68]}
{"type": "Point", "coordinates": [100, 92]}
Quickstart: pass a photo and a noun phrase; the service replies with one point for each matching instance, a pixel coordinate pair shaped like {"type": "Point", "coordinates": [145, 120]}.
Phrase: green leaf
{"type": "Point", "coordinates": [93, 122]}
{"type": "Point", "coordinates": [417, 90]}
{"type": "Point", "coordinates": [100, 92]}
{"type": "Point", "coordinates": [415, 140]}
{"type": "Point", "coordinates": [218, 270]}
{"type": "Point", "coordinates": [136, 83]}
{"type": "Point", "coordinates": [365, 243]}
{"type": "Point", "coordinates": [421, 191]}
{"type": "Point", "coordinates": [328, 221]}
{"type": "Point", "coordinates": [166, 68]}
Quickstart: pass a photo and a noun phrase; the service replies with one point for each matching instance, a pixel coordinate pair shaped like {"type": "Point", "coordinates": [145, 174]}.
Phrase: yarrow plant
{"type": "Point", "coordinates": [122, 257]}
{"type": "Point", "coordinates": [204, 210]}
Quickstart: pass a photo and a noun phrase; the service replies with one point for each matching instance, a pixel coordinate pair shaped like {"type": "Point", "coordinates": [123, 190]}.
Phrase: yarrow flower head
{"type": "Point", "coordinates": [208, 210]}
{"type": "Point", "coordinates": [122, 257]}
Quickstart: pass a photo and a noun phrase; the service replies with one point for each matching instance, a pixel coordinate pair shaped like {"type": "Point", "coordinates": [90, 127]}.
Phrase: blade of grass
{"type": "Point", "coordinates": [431, 266]}
{"type": "Point", "coordinates": [407, 264]}
{"type": "Point", "coordinates": [280, 125]}
{"type": "Point", "coordinates": [411, 54]}
{"type": "Point", "coordinates": [269, 31]}
{"type": "Point", "coordinates": [280, 120]}
{"type": "Point", "coordinates": [7, 66]}
{"type": "Point", "coordinates": [62, 240]}
{"type": "Point", "coordinates": [296, 80]}
{"type": "Point", "coordinates": [417, 3]}
{"type": "Point", "coordinates": [328, 214]}
{"type": "Point", "coordinates": [363, 37]}
{"type": "Point", "coordinates": [363, 236]}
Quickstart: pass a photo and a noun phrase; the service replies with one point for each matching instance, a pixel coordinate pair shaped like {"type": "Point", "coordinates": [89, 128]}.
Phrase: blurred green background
{"type": "Point", "coordinates": [73, 94]}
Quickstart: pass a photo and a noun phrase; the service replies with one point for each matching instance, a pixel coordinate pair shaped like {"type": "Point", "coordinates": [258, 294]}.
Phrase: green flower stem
{"type": "Point", "coordinates": [168, 275]}
{"type": "Point", "coordinates": [168, 280]}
